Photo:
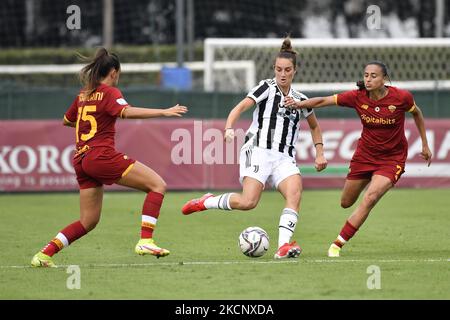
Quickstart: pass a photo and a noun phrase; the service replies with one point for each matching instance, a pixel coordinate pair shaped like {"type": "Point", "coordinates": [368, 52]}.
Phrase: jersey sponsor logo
{"type": "Point", "coordinates": [392, 108]}
{"type": "Point", "coordinates": [287, 112]}
{"type": "Point", "coordinates": [121, 101]}
{"type": "Point", "coordinates": [299, 95]}
{"type": "Point", "coordinates": [375, 120]}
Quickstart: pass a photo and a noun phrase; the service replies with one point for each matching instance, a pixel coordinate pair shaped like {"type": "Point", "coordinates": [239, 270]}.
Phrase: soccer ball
{"type": "Point", "coordinates": [254, 242]}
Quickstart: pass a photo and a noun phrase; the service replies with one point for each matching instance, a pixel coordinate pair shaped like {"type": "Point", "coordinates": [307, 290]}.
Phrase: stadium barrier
{"type": "Point", "coordinates": [35, 155]}
{"type": "Point", "coordinates": [51, 103]}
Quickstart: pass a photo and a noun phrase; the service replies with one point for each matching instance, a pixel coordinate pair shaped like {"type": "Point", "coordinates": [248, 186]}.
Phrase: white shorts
{"type": "Point", "coordinates": [265, 165]}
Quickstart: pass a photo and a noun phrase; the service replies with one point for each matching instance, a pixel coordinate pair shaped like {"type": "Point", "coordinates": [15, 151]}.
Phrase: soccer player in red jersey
{"type": "Point", "coordinates": [93, 114]}
{"type": "Point", "coordinates": [379, 159]}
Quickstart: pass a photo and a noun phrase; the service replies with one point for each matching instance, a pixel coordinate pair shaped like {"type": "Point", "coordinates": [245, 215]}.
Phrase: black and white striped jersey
{"type": "Point", "coordinates": [274, 126]}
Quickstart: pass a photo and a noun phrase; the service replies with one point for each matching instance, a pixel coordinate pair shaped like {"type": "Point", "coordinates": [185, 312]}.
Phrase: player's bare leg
{"type": "Point", "coordinates": [143, 178]}
{"type": "Point", "coordinates": [250, 196]}
{"type": "Point", "coordinates": [247, 200]}
{"type": "Point", "coordinates": [351, 191]}
{"type": "Point", "coordinates": [91, 201]}
{"type": "Point", "coordinates": [90, 211]}
{"type": "Point", "coordinates": [291, 189]}
{"type": "Point", "coordinates": [378, 186]}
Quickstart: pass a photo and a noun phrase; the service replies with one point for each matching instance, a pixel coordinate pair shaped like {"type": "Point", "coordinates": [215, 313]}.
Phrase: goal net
{"type": "Point", "coordinates": [332, 64]}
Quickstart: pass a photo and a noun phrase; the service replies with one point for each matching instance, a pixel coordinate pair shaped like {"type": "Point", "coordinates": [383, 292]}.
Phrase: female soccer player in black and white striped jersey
{"type": "Point", "coordinates": [268, 154]}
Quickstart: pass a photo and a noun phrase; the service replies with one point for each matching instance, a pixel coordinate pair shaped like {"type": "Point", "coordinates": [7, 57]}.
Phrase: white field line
{"type": "Point", "coordinates": [211, 263]}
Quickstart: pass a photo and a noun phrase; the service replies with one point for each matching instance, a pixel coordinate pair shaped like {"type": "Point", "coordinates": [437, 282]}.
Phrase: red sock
{"type": "Point", "coordinates": [150, 213]}
{"type": "Point", "coordinates": [64, 238]}
{"type": "Point", "coordinates": [347, 232]}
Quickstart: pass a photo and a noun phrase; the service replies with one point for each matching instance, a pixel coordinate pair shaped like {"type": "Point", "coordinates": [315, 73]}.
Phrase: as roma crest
{"type": "Point", "coordinates": [392, 108]}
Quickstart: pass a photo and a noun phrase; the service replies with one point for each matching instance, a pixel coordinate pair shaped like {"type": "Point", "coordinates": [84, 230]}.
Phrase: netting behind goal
{"type": "Point", "coordinates": [331, 61]}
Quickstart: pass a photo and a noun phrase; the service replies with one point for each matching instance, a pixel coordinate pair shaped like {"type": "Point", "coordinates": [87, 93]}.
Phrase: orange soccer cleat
{"type": "Point", "coordinates": [288, 250]}
{"type": "Point", "coordinates": [195, 205]}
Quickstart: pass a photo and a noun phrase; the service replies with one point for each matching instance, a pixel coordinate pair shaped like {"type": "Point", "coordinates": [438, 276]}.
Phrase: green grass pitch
{"type": "Point", "coordinates": [407, 236]}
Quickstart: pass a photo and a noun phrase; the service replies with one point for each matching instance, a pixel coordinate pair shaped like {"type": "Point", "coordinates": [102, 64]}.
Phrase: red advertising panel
{"type": "Point", "coordinates": [191, 154]}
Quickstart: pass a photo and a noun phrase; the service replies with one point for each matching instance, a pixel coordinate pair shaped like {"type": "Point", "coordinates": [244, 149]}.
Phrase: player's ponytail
{"type": "Point", "coordinates": [287, 46]}
{"type": "Point", "coordinates": [360, 84]}
{"type": "Point", "coordinates": [288, 52]}
{"type": "Point", "coordinates": [97, 68]}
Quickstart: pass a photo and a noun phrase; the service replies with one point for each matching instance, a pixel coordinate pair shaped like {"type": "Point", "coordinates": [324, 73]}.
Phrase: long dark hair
{"type": "Point", "coordinates": [360, 84]}
{"type": "Point", "coordinates": [287, 52]}
{"type": "Point", "coordinates": [97, 68]}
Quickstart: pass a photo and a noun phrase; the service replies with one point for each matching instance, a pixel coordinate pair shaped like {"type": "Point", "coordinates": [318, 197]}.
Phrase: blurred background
{"type": "Point", "coordinates": [207, 54]}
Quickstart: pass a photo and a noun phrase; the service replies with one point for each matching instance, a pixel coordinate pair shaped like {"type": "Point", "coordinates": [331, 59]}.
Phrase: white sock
{"type": "Point", "coordinates": [286, 228]}
{"type": "Point", "coordinates": [219, 202]}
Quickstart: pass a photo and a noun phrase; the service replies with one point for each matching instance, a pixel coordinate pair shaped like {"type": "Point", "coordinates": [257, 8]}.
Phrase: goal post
{"type": "Point", "coordinates": [334, 62]}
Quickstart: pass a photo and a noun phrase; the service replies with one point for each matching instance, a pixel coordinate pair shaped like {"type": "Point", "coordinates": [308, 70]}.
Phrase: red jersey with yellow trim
{"type": "Point", "coordinates": [95, 116]}
{"type": "Point", "coordinates": [383, 136]}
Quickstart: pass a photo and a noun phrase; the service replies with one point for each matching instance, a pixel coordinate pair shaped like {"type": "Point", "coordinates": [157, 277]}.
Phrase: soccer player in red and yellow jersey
{"type": "Point", "coordinates": [379, 159]}
{"type": "Point", "coordinates": [93, 114]}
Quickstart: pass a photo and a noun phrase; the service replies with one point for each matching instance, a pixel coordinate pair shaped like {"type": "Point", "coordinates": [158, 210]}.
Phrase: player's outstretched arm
{"type": "Point", "coordinates": [316, 102]}
{"type": "Point", "coordinates": [420, 124]}
{"type": "Point", "coordinates": [144, 113]}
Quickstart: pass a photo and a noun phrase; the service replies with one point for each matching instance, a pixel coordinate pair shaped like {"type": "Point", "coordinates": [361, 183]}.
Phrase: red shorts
{"type": "Point", "coordinates": [99, 166]}
{"type": "Point", "coordinates": [362, 170]}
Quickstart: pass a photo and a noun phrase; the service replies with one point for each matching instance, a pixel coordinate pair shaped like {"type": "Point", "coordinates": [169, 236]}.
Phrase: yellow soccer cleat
{"type": "Point", "coordinates": [148, 246]}
{"type": "Point", "coordinates": [333, 251]}
{"type": "Point", "coordinates": [41, 260]}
